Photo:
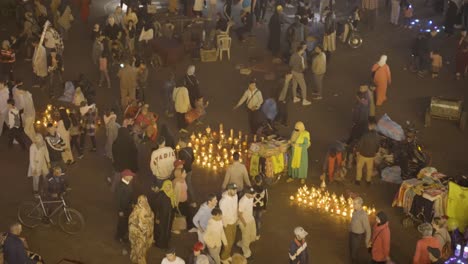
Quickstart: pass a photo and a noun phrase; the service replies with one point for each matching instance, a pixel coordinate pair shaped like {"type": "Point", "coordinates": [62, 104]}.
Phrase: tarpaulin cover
{"type": "Point", "coordinates": [270, 109]}
{"type": "Point", "coordinates": [390, 128]}
{"type": "Point", "coordinates": [457, 204]}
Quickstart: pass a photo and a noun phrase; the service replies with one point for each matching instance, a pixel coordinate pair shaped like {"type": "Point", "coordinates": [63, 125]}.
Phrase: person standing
{"type": "Point", "coordinates": [124, 154]}
{"type": "Point", "coordinates": [214, 235]}
{"type": "Point", "coordinates": [236, 173]}
{"type": "Point", "coordinates": [187, 156]}
{"type": "Point", "coordinates": [192, 84]}
{"type": "Point", "coordinates": [274, 27]}
{"type": "Point", "coordinates": [198, 6]}
{"type": "Point", "coordinates": [297, 63]}
{"type": "Point", "coordinates": [39, 64]}
{"type": "Point", "coordinates": [14, 249]}
{"type": "Point", "coordinates": [382, 78]}
{"type": "Point", "coordinates": [366, 149]}
{"type": "Point", "coordinates": [39, 162]}
{"type": "Point", "coordinates": [162, 162]}
{"type": "Point", "coordinates": [140, 229]}
{"type": "Point", "coordinates": [163, 207]}
{"type": "Point", "coordinates": [329, 37]}
{"type": "Point", "coordinates": [298, 252]}
{"type": "Point", "coordinates": [89, 119]}
{"type": "Point", "coordinates": [112, 131]}
{"type": "Point", "coordinates": [169, 86]}
{"type": "Point", "coordinates": [319, 68]}
{"type": "Point", "coordinates": [142, 80]}
{"type": "Point", "coordinates": [253, 98]}
{"type": "Point", "coordinates": [360, 111]}
{"type": "Point", "coordinates": [63, 129]}
{"type": "Point", "coordinates": [124, 196]}
{"type": "Point", "coordinates": [260, 202]}
{"type": "Point", "coordinates": [84, 10]}
{"type": "Point", "coordinates": [229, 206]}
{"type": "Point", "coordinates": [104, 69]}
{"type": "Point", "coordinates": [64, 22]}
{"type": "Point", "coordinates": [380, 243]}
{"type": "Point", "coordinates": [300, 142]}
{"type": "Point", "coordinates": [359, 230]}
{"type": "Point", "coordinates": [421, 255]}
{"type": "Point", "coordinates": [247, 222]}
{"type": "Point", "coordinates": [181, 99]}
{"type": "Point", "coordinates": [442, 234]}
{"type": "Point", "coordinates": [128, 84]}
{"type": "Point", "coordinates": [55, 145]}
{"type": "Point", "coordinates": [296, 34]}
{"type": "Point", "coordinates": [181, 194]}
{"type": "Point", "coordinates": [461, 57]}
{"type": "Point", "coordinates": [172, 258]}
{"type": "Point", "coordinates": [201, 218]}
{"type": "Point", "coordinates": [75, 133]}
{"type": "Point", "coordinates": [13, 122]}
{"type": "Point", "coordinates": [395, 13]}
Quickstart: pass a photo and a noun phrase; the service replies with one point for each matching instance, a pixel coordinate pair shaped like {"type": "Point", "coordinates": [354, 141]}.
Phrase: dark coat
{"type": "Point", "coordinates": [124, 152]}
{"type": "Point", "coordinates": [15, 252]}
{"type": "Point", "coordinates": [124, 197]}
{"type": "Point", "coordinates": [274, 37]}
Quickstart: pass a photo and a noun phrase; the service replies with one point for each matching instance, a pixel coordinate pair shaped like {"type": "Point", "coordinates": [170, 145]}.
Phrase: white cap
{"type": "Point", "coordinates": [300, 232]}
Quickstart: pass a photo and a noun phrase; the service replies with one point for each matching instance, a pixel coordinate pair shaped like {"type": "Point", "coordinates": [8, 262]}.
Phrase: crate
{"type": "Point", "coordinates": [446, 108]}
{"type": "Point", "coordinates": [208, 55]}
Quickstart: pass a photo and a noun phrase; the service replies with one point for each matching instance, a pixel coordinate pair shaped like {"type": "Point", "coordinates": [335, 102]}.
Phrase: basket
{"type": "Point", "coordinates": [446, 108]}
{"type": "Point", "coordinates": [208, 55]}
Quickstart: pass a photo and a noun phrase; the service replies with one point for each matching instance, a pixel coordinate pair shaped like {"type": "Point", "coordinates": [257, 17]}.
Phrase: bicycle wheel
{"type": "Point", "coordinates": [71, 221]}
{"type": "Point", "coordinates": [30, 214]}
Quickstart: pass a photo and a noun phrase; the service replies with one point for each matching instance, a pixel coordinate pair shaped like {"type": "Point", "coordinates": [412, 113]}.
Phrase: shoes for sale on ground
{"type": "Point", "coordinates": [305, 102]}
{"type": "Point", "coordinates": [296, 100]}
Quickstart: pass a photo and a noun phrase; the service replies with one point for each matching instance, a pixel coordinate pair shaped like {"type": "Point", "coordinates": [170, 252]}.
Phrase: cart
{"type": "Point", "coordinates": [445, 108]}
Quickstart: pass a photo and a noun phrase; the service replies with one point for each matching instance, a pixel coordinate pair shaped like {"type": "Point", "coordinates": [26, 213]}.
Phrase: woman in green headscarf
{"type": "Point", "coordinates": [163, 207]}
{"type": "Point", "coordinates": [141, 233]}
{"type": "Point", "coordinates": [299, 161]}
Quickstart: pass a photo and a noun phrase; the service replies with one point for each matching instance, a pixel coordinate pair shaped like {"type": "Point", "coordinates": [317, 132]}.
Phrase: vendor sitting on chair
{"type": "Point", "coordinates": [146, 120]}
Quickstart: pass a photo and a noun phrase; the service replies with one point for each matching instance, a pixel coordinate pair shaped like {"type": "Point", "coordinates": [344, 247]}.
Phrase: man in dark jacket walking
{"type": "Point", "coordinates": [124, 195]}
{"type": "Point", "coordinates": [367, 147]}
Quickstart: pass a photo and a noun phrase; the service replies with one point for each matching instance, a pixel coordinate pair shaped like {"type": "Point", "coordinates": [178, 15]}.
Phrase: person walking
{"type": "Point", "coordinates": [319, 68]}
{"type": "Point", "coordinates": [298, 252]}
{"type": "Point", "coordinates": [84, 10]}
{"type": "Point", "coordinates": [112, 131]}
{"type": "Point", "coordinates": [380, 243]}
{"type": "Point", "coordinates": [103, 69]}
{"type": "Point", "coordinates": [329, 37]}
{"type": "Point", "coordinates": [274, 28]}
{"type": "Point", "coordinates": [181, 99]}
{"type": "Point", "coordinates": [39, 64]}
{"type": "Point", "coordinates": [359, 230]}
{"type": "Point", "coordinates": [128, 84]}
{"type": "Point", "coordinates": [124, 197]}
{"type": "Point", "coordinates": [63, 128]}
{"type": "Point", "coordinates": [162, 162]}
{"type": "Point", "coordinates": [236, 173]}
{"type": "Point", "coordinates": [214, 235]}
{"type": "Point", "coordinates": [299, 162]}
{"type": "Point", "coordinates": [366, 149]}
{"type": "Point", "coordinates": [75, 132]}
{"type": "Point", "coordinates": [181, 194]}
{"type": "Point", "coordinates": [253, 99]}
{"type": "Point", "coordinates": [124, 154]}
{"type": "Point", "coordinates": [395, 13]}
{"type": "Point", "coordinates": [140, 227]}
{"type": "Point", "coordinates": [39, 162]}
{"type": "Point", "coordinates": [421, 255]}
{"type": "Point", "coordinates": [382, 78]}
{"type": "Point", "coordinates": [187, 155]}
{"type": "Point", "coordinates": [229, 206]}
{"type": "Point", "coordinates": [201, 218]}
{"type": "Point", "coordinates": [168, 102]}
{"type": "Point", "coordinates": [247, 222]}
{"type": "Point", "coordinates": [370, 8]}
{"type": "Point", "coordinates": [297, 63]}
{"type": "Point", "coordinates": [461, 57]}
{"type": "Point", "coordinates": [13, 121]}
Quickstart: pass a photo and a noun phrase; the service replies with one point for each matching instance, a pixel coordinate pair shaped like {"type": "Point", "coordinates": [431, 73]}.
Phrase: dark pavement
{"type": "Point", "coordinates": [327, 120]}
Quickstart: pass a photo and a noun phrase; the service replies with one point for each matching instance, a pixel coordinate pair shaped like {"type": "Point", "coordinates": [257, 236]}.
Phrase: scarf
{"type": "Point", "coordinates": [191, 70]}
{"type": "Point", "coordinates": [297, 150]}
{"type": "Point", "coordinates": [382, 61]}
{"type": "Point", "coordinates": [168, 189]}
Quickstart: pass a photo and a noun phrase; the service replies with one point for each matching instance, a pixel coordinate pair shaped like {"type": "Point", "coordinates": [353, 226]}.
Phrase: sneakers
{"type": "Point", "coordinates": [296, 100]}
{"type": "Point", "coordinates": [289, 180]}
{"type": "Point", "coordinates": [183, 131]}
{"type": "Point", "coordinates": [193, 230]}
{"type": "Point", "coordinates": [177, 232]}
{"type": "Point", "coordinates": [318, 97]}
{"type": "Point", "coordinates": [305, 102]}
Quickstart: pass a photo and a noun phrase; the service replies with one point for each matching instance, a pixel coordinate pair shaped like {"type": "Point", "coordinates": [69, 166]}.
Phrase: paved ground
{"type": "Point", "coordinates": [326, 120]}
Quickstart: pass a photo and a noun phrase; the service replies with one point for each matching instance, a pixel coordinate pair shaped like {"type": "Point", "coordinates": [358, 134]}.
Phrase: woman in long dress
{"type": "Point", "coordinates": [163, 205]}
{"type": "Point", "coordinates": [39, 161]}
{"type": "Point", "coordinates": [382, 78]}
{"type": "Point", "coordinates": [63, 126]}
{"type": "Point", "coordinates": [140, 228]}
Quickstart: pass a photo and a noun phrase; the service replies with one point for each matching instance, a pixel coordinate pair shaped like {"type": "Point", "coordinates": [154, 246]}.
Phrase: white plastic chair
{"type": "Point", "coordinates": [224, 44]}
{"type": "Point", "coordinates": [221, 34]}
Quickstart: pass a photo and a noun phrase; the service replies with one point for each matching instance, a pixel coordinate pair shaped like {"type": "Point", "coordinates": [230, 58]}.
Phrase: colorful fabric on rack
{"type": "Point", "coordinates": [269, 168]}
{"type": "Point", "coordinates": [278, 163]}
{"type": "Point", "coordinates": [457, 203]}
{"type": "Point", "coordinates": [254, 162]}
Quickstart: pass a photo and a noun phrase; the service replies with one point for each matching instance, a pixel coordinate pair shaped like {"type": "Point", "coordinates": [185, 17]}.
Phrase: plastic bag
{"type": "Point", "coordinates": [392, 174]}
{"type": "Point", "coordinates": [390, 128]}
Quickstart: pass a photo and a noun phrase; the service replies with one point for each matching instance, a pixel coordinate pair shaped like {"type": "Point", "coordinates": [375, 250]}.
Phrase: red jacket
{"type": "Point", "coordinates": [421, 256]}
{"type": "Point", "coordinates": [380, 242]}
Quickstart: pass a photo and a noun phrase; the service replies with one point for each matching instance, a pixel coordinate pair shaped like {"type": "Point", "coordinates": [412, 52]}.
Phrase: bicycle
{"type": "Point", "coordinates": [32, 214]}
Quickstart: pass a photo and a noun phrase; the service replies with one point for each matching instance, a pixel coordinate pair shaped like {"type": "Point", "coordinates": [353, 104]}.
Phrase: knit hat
{"type": "Point", "coordinates": [127, 172]}
{"type": "Point", "coordinates": [383, 217]}
{"type": "Point", "coordinates": [434, 252]}
{"type": "Point", "coordinates": [198, 246]}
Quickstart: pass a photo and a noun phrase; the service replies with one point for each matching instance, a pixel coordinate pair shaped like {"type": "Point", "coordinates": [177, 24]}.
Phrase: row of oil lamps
{"type": "Point", "coordinates": [48, 116]}
{"type": "Point", "coordinates": [213, 150]}
{"type": "Point", "coordinates": [320, 198]}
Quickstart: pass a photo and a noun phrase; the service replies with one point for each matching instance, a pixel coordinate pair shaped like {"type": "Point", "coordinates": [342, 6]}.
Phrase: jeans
{"type": "Point", "coordinates": [355, 242]}
{"type": "Point", "coordinates": [181, 124]}
{"type": "Point", "coordinates": [15, 133]}
{"type": "Point", "coordinates": [190, 190]}
{"type": "Point", "coordinates": [74, 143]}
{"type": "Point", "coordinates": [122, 228]}
{"type": "Point", "coordinates": [258, 213]}
{"type": "Point", "coordinates": [298, 78]}
{"type": "Point", "coordinates": [369, 163]}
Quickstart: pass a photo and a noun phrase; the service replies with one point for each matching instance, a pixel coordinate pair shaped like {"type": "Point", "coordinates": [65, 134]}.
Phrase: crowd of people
{"type": "Point", "coordinates": [141, 147]}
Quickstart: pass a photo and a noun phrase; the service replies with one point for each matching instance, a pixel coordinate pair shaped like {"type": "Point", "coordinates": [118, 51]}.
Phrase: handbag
{"type": "Point", "coordinates": [180, 222]}
{"type": "Point", "coordinates": [191, 116]}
